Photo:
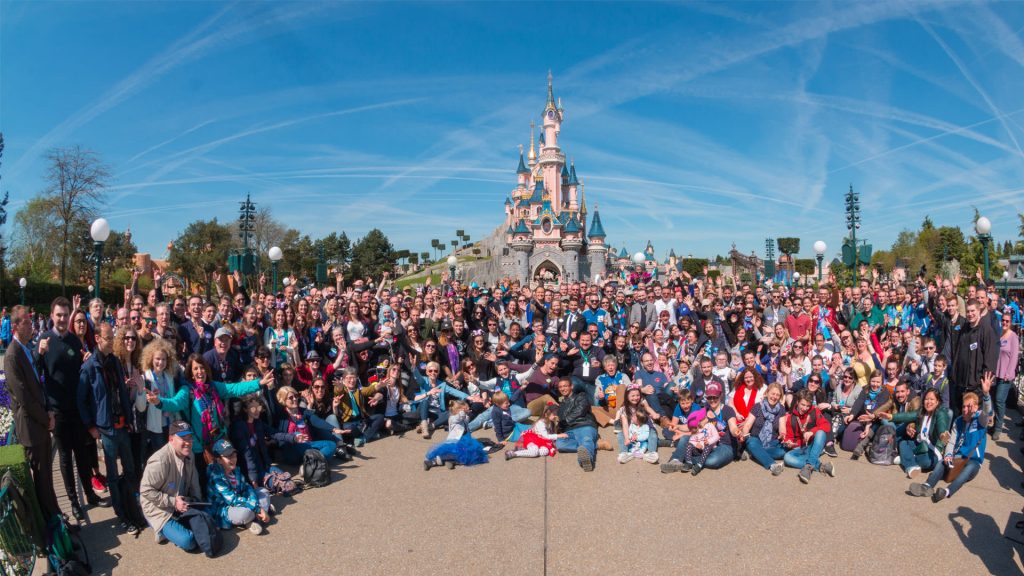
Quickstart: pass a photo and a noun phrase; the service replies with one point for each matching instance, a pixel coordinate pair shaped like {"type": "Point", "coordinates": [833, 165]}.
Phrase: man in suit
{"type": "Point", "coordinates": [32, 422]}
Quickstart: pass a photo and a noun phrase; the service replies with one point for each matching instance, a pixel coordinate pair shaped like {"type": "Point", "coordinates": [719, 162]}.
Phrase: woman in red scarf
{"type": "Point", "coordinates": [748, 390]}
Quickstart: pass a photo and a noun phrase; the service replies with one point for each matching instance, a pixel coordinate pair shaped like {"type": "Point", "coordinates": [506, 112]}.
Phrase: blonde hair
{"type": "Point", "coordinates": [433, 364]}
{"type": "Point", "coordinates": [159, 345]}
{"type": "Point", "coordinates": [283, 392]}
{"type": "Point", "coordinates": [457, 407]}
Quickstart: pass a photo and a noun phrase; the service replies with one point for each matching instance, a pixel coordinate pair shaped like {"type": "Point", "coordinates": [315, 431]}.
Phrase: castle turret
{"type": "Point", "coordinates": [597, 250]}
{"type": "Point", "coordinates": [522, 172]}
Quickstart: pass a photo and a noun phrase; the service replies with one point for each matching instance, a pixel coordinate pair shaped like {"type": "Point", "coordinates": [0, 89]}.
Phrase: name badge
{"type": "Point", "coordinates": [586, 369]}
{"type": "Point", "coordinates": [974, 346]}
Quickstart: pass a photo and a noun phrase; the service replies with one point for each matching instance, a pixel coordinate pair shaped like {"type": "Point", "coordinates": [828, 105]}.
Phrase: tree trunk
{"type": "Point", "coordinates": [64, 260]}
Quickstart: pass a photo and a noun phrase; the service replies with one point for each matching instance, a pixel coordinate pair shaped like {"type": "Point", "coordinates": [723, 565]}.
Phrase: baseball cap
{"type": "Point", "coordinates": [223, 448]}
{"type": "Point", "coordinates": [312, 355]}
{"type": "Point", "coordinates": [180, 428]}
{"type": "Point", "coordinates": [223, 331]}
{"type": "Point", "coordinates": [713, 389]}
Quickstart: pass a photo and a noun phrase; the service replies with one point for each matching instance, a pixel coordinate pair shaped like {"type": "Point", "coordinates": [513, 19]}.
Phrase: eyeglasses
{"type": "Point", "coordinates": [318, 386]}
{"type": "Point", "coordinates": [291, 397]}
{"type": "Point", "coordinates": [130, 338]}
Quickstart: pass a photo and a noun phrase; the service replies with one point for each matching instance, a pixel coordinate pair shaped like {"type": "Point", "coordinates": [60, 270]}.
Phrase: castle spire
{"type": "Point", "coordinates": [583, 200]}
{"type": "Point", "coordinates": [532, 157]}
{"type": "Point", "coordinates": [572, 173]}
{"type": "Point", "coordinates": [522, 167]}
{"type": "Point", "coordinates": [551, 92]}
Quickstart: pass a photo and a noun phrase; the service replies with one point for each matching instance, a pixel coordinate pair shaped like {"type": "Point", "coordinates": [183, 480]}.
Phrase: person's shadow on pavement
{"type": "Point", "coordinates": [982, 537]}
{"type": "Point", "coordinates": [1006, 472]}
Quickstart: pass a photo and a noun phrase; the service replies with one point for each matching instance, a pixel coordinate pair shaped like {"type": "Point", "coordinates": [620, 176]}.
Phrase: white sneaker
{"type": "Point", "coordinates": [896, 461]}
{"type": "Point", "coordinates": [255, 528]}
{"type": "Point", "coordinates": [625, 457]}
{"type": "Point", "coordinates": [776, 468]}
{"type": "Point", "coordinates": [651, 457]}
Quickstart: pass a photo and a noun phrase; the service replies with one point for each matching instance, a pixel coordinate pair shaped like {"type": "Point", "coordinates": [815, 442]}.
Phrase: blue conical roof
{"type": "Point", "coordinates": [565, 173]}
{"type": "Point", "coordinates": [521, 228]}
{"type": "Point", "coordinates": [573, 225]}
{"type": "Point", "coordinates": [572, 175]}
{"type": "Point", "coordinates": [623, 253]}
{"type": "Point", "coordinates": [522, 166]}
{"type": "Point", "coordinates": [596, 230]}
{"type": "Point", "coordinates": [508, 202]}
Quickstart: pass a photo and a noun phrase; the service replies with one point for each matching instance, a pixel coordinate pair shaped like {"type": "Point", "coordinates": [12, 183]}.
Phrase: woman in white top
{"type": "Point", "coordinates": [160, 374]}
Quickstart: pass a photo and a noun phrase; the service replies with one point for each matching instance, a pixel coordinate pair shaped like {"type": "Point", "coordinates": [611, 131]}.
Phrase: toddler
{"type": "Point", "coordinates": [702, 442]}
{"type": "Point", "coordinates": [539, 440]}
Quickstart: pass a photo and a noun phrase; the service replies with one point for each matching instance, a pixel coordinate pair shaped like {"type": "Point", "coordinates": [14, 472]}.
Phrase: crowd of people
{"type": "Point", "coordinates": [198, 403]}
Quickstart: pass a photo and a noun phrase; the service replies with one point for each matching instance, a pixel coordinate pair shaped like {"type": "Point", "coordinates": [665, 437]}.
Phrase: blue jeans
{"type": "Point", "coordinates": [999, 410]}
{"type": "Point", "coordinates": [584, 437]}
{"type": "Point", "coordinates": [679, 453]}
{"type": "Point", "coordinates": [368, 429]}
{"type": "Point", "coordinates": [439, 418]}
{"type": "Point", "coordinates": [810, 454]}
{"type": "Point", "coordinates": [116, 445]}
{"type": "Point", "coordinates": [765, 455]}
{"type": "Point", "coordinates": [722, 455]}
{"type": "Point", "coordinates": [179, 535]}
{"type": "Point", "coordinates": [519, 414]}
{"type": "Point", "coordinates": [908, 459]}
{"type": "Point", "coordinates": [970, 470]}
{"type": "Point", "coordinates": [292, 453]}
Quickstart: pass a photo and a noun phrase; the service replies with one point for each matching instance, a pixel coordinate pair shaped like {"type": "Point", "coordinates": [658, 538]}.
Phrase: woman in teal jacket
{"type": "Point", "coordinates": [203, 403]}
{"type": "Point", "coordinates": [966, 446]}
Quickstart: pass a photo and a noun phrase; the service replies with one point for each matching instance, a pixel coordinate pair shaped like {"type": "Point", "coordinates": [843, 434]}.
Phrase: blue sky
{"type": "Point", "coordinates": [693, 125]}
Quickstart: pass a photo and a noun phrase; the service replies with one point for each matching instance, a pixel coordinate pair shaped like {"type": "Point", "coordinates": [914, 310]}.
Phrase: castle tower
{"type": "Point", "coordinates": [597, 250]}
{"type": "Point", "coordinates": [521, 246]}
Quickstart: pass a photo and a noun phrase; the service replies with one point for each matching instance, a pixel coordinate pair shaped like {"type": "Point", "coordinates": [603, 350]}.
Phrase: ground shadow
{"type": "Point", "coordinates": [99, 539]}
{"type": "Point", "coordinates": [1006, 472]}
{"type": "Point", "coordinates": [982, 537]}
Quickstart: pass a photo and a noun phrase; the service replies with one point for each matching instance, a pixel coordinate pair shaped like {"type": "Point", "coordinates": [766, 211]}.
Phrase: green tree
{"type": "Point", "coordinates": [372, 255]}
{"type": "Point", "coordinates": [806, 266]}
{"type": "Point", "coordinates": [337, 249]}
{"type": "Point", "coordinates": [3, 220]}
{"type": "Point", "coordinates": [76, 179]}
{"type": "Point", "coordinates": [200, 250]}
{"type": "Point", "coordinates": [694, 266]}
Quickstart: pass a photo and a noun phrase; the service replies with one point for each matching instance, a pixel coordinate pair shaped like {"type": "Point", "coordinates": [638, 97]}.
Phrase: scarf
{"type": "Point", "coordinates": [770, 414]}
{"type": "Point", "coordinates": [743, 405]}
{"type": "Point", "coordinates": [210, 406]}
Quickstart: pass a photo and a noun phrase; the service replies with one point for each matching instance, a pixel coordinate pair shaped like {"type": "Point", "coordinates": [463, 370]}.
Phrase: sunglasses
{"type": "Point", "coordinates": [291, 397]}
{"type": "Point", "coordinates": [130, 338]}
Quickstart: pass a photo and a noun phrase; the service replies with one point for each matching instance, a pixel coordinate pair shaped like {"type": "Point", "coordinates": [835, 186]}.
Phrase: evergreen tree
{"type": "Point", "coordinates": [372, 255]}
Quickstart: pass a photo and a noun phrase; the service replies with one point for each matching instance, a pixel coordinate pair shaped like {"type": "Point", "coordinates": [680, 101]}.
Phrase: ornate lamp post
{"type": "Point", "coordinates": [21, 284]}
{"type": "Point", "coordinates": [819, 250]}
{"type": "Point", "coordinates": [1006, 284]}
{"type": "Point", "coordinates": [275, 256]}
{"type": "Point", "coordinates": [796, 278]}
{"type": "Point", "coordinates": [452, 263]}
{"type": "Point", "coordinates": [984, 228]}
{"type": "Point", "coordinates": [100, 231]}
{"type": "Point", "coordinates": [852, 224]}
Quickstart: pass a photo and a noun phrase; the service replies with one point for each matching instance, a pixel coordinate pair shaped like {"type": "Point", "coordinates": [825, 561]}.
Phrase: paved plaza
{"type": "Point", "coordinates": [384, 514]}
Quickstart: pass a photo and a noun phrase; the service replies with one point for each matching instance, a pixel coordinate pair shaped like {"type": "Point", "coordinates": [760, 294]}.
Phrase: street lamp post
{"type": "Point", "coordinates": [21, 284]}
{"type": "Point", "coordinates": [275, 256]}
{"type": "Point", "coordinates": [1006, 284]}
{"type": "Point", "coordinates": [100, 231]}
{"type": "Point", "coordinates": [796, 279]}
{"type": "Point", "coordinates": [452, 263]}
{"type": "Point", "coordinates": [819, 251]}
{"type": "Point", "coordinates": [852, 224]}
{"type": "Point", "coordinates": [984, 228]}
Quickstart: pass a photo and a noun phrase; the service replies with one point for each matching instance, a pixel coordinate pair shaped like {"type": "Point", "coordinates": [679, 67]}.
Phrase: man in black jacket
{"type": "Point", "coordinates": [577, 421]}
{"type": "Point", "coordinates": [975, 350]}
{"type": "Point", "coordinates": [59, 361]}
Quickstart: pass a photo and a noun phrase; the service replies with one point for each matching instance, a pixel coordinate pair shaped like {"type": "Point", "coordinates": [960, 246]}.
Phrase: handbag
{"type": "Point", "coordinates": [954, 471]}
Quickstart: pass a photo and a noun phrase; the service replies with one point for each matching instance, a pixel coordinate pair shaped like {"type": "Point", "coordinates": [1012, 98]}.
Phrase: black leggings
{"type": "Point", "coordinates": [73, 441]}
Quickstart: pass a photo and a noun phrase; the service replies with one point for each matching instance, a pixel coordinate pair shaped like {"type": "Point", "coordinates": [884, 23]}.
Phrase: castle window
{"type": "Point", "coordinates": [546, 225]}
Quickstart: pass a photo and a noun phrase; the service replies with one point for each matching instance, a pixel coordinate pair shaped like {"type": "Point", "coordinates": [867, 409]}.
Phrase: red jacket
{"type": "Point", "coordinates": [813, 421]}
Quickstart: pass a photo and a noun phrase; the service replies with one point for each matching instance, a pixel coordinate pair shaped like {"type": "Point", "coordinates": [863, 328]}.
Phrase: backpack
{"type": "Point", "coordinates": [204, 530]}
{"type": "Point", "coordinates": [315, 472]}
{"type": "Point", "coordinates": [278, 481]}
{"type": "Point", "coordinates": [883, 449]}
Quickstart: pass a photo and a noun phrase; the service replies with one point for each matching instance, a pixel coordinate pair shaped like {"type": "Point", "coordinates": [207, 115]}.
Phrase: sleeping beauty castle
{"type": "Point", "coordinates": [545, 235]}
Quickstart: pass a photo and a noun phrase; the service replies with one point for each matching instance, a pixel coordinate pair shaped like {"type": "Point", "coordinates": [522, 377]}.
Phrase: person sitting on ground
{"type": "Point", "coordinates": [459, 447]}
{"type": "Point", "coordinates": [353, 409]}
{"type": "Point", "coordinates": [539, 440]}
{"type": "Point", "coordinates": [431, 400]}
{"type": "Point", "coordinates": [863, 417]}
{"type": "Point", "coordinates": [611, 391]}
{"type": "Point", "coordinates": [250, 434]}
{"type": "Point", "coordinates": [805, 432]}
{"type": "Point", "coordinates": [924, 439]}
{"type": "Point", "coordinates": [576, 420]}
{"type": "Point", "coordinates": [635, 418]}
{"type": "Point", "coordinates": [234, 501]}
{"type": "Point", "coordinates": [680, 416]}
{"type": "Point", "coordinates": [965, 451]}
{"type": "Point", "coordinates": [303, 430]}
{"type": "Point", "coordinates": [764, 432]}
{"type": "Point", "coordinates": [702, 441]}
{"type": "Point", "coordinates": [724, 420]}
{"type": "Point", "coordinates": [169, 483]}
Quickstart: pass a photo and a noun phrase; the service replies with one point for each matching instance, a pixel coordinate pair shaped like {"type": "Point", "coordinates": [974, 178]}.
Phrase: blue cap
{"type": "Point", "coordinates": [223, 448]}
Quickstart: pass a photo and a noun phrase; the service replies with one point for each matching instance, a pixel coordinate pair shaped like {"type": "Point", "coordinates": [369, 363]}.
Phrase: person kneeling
{"type": "Point", "coordinates": [169, 482]}
{"type": "Point", "coordinates": [235, 502]}
{"type": "Point", "coordinates": [806, 431]}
